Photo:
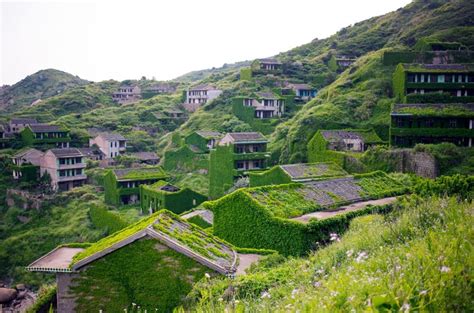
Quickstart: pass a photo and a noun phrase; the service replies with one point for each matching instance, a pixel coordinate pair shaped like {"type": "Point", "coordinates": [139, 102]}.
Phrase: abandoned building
{"type": "Point", "coordinates": [127, 94]}
{"type": "Point", "coordinates": [17, 124]}
{"type": "Point", "coordinates": [199, 95]}
{"type": "Point", "coordinates": [27, 162]}
{"type": "Point", "coordinates": [44, 135]}
{"type": "Point", "coordinates": [111, 144]}
{"type": "Point", "coordinates": [356, 140]}
{"type": "Point", "coordinates": [65, 168]}
{"type": "Point", "coordinates": [203, 140]}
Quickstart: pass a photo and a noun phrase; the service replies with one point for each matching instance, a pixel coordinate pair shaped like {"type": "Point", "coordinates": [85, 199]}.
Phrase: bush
{"type": "Point", "coordinates": [105, 219]}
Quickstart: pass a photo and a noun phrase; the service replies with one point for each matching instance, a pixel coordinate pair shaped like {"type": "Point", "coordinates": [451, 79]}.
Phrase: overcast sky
{"type": "Point", "coordinates": [100, 40]}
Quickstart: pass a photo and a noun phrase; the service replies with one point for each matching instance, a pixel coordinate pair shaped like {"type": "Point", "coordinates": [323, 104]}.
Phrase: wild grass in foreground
{"type": "Point", "coordinates": [418, 258]}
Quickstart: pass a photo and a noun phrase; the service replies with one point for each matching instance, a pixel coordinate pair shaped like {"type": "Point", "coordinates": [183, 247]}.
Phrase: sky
{"type": "Point", "coordinates": [99, 40]}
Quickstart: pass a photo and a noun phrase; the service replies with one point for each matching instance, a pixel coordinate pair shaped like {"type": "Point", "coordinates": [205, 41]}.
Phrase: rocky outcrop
{"type": "Point", "coordinates": [7, 295]}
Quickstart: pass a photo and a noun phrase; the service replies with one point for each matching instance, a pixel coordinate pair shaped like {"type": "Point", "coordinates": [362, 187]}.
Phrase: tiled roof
{"type": "Point", "coordinates": [90, 151]}
{"type": "Point", "coordinates": [300, 86]}
{"type": "Point", "coordinates": [337, 135]}
{"type": "Point", "coordinates": [269, 61]}
{"type": "Point", "coordinates": [202, 87]}
{"type": "Point", "coordinates": [209, 134]}
{"type": "Point", "coordinates": [267, 95]}
{"type": "Point", "coordinates": [45, 128]}
{"type": "Point", "coordinates": [247, 136]}
{"type": "Point", "coordinates": [145, 156]}
{"type": "Point", "coordinates": [112, 136]}
{"type": "Point", "coordinates": [67, 152]}
{"type": "Point", "coordinates": [21, 120]}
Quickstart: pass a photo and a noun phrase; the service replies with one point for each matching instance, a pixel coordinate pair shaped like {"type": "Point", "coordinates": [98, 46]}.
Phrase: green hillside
{"type": "Point", "coordinates": [40, 85]}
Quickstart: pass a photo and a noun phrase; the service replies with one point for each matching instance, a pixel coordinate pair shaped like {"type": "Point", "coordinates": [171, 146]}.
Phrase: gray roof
{"type": "Point", "coordinates": [301, 86]}
{"type": "Point", "coordinates": [209, 134]}
{"type": "Point", "coordinates": [247, 136]}
{"type": "Point", "coordinates": [145, 156]}
{"type": "Point", "coordinates": [446, 67]}
{"type": "Point", "coordinates": [437, 106]}
{"type": "Point", "coordinates": [203, 87]}
{"type": "Point", "coordinates": [267, 95]}
{"type": "Point", "coordinates": [23, 120]}
{"type": "Point", "coordinates": [112, 136]}
{"type": "Point", "coordinates": [269, 61]}
{"type": "Point", "coordinates": [67, 152]}
{"type": "Point", "coordinates": [45, 128]}
{"type": "Point", "coordinates": [121, 173]}
{"type": "Point", "coordinates": [90, 151]}
{"type": "Point", "coordinates": [337, 135]}
{"type": "Point", "coordinates": [24, 152]}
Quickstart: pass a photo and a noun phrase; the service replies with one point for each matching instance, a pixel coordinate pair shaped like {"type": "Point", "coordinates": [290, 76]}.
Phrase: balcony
{"type": "Point", "coordinates": [71, 166]}
{"type": "Point", "coordinates": [71, 178]}
{"type": "Point", "coordinates": [251, 156]}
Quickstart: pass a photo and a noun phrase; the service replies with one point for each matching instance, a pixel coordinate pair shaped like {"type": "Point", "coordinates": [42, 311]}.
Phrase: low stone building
{"type": "Point", "coordinates": [122, 185]}
{"type": "Point", "coordinates": [152, 264]}
{"type": "Point", "coordinates": [268, 64]}
{"type": "Point", "coordinates": [65, 168]}
{"type": "Point", "coordinates": [111, 144]}
{"type": "Point", "coordinates": [127, 94]}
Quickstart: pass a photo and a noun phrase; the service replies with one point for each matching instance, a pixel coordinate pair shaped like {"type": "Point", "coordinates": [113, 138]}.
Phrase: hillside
{"type": "Point", "coordinates": [40, 85]}
{"type": "Point", "coordinates": [202, 74]}
{"type": "Point", "coordinates": [358, 97]}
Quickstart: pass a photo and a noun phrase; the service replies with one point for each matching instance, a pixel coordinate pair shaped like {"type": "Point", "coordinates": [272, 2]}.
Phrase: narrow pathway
{"type": "Point", "coordinates": [343, 209]}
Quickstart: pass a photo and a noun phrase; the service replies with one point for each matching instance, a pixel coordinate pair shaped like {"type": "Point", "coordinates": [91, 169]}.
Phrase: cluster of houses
{"type": "Point", "coordinates": [126, 94]}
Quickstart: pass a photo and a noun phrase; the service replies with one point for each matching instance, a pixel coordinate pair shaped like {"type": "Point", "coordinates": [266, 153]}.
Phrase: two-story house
{"type": "Point", "coordinates": [199, 95]}
{"type": "Point", "coordinates": [264, 105]}
{"type": "Point", "coordinates": [127, 94]}
{"type": "Point", "coordinates": [111, 144]}
{"type": "Point", "coordinates": [303, 92]}
{"type": "Point", "coordinates": [45, 135]}
{"type": "Point", "coordinates": [203, 140]}
{"type": "Point", "coordinates": [65, 167]}
{"type": "Point", "coordinates": [234, 156]}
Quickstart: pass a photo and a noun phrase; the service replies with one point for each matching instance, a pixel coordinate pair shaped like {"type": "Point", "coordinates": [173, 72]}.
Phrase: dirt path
{"type": "Point", "coordinates": [344, 209]}
{"type": "Point", "coordinates": [245, 260]}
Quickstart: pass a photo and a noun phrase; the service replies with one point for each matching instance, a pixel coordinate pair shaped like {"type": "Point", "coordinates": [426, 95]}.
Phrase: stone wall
{"type": "Point", "coordinates": [26, 200]}
{"type": "Point", "coordinates": [420, 163]}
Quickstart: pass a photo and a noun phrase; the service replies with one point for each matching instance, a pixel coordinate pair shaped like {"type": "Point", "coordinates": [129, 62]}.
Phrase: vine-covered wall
{"type": "Point", "coordinates": [177, 202]}
{"type": "Point", "coordinates": [274, 176]}
{"type": "Point", "coordinates": [112, 195]}
{"type": "Point", "coordinates": [185, 160]}
{"type": "Point", "coordinates": [221, 170]}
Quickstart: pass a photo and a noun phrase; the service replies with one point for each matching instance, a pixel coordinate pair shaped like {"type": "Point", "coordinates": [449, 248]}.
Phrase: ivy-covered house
{"type": "Point", "coordinates": [235, 155]}
{"type": "Point", "coordinates": [152, 264]}
{"type": "Point", "coordinates": [268, 65]}
{"type": "Point", "coordinates": [262, 105]}
{"type": "Point", "coordinates": [26, 164]}
{"type": "Point", "coordinates": [303, 92]}
{"type": "Point", "coordinates": [293, 218]}
{"type": "Point", "coordinates": [162, 195]}
{"type": "Point", "coordinates": [432, 123]}
{"type": "Point", "coordinates": [288, 173]}
{"type": "Point", "coordinates": [44, 135]}
{"type": "Point", "coordinates": [434, 83]}
{"type": "Point", "coordinates": [203, 140]}
{"type": "Point", "coordinates": [122, 185]}
{"type": "Point", "coordinates": [344, 62]}
{"type": "Point", "coordinates": [65, 167]}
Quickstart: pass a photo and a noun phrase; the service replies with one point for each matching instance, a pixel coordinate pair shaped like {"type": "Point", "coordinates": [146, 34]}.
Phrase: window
{"type": "Point", "coordinates": [452, 123]}
{"type": "Point", "coordinates": [111, 144]}
{"type": "Point", "coordinates": [441, 78]}
{"type": "Point", "coordinates": [429, 123]}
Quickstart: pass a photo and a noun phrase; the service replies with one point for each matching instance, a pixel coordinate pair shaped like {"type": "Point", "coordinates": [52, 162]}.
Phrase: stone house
{"type": "Point", "coordinates": [17, 124]}
{"type": "Point", "coordinates": [111, 144]}
{"type": "Point", "coordinates": [127, 94]}
{"type": "Point", "coordinates": [65, 167]}
{"type": "Point", "coordinates": [45, 135]}
{"type": "Point", "coordinates": [166, 265]}
{"type": "Point", "coordinates": [344, 62]}
{"type": "Point", "coordinates": [199, 95]}
{"type": "Point", "coordinates": [27, 160]}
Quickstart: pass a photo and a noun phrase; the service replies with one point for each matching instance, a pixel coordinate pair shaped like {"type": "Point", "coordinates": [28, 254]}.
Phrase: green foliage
{"type": "Point", "coordinates": [221, 171]}
{"type": "Point", "coordinates": [152, 198]}
{"type": "Point", "coordinates": [274, 176]}
{"type": "Point", "coordinates": [457, 185]}
{"type": "Point", "coordinates": [416, 258]}
{"type": "Point", "coordinates": [105, 219]}
{"type": "Point", "coordinates": [146, 273]}
{"type": "Point", "coordinates": [378, 185]}
{"type": "Point", "coordinates": [46, 296]}
{"type": "Point", "coordinates": [430, 44]}
{"type": "Point", "coordinates": [448, 156]}
{"type": "Point", "coordinates": [434, 97]}
{"type": "Point", "coordinates": [184, 159]}
{"type": "Point", "coordinates": [318, 151]}
{"type": "Point", "coordinates": [197, 141]}
{"type": "Point", "coordinates": [246, 73]}
{"type": "Point", "coordinates": [111, 192]}
{"type": "Point", "coordinates": [199, 221]}
{"type": "Point", "coordinates": [332, 64]}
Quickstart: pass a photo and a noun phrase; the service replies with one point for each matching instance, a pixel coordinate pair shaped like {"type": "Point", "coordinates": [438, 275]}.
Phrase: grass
{"type": "Point", "coordinates": [417, 258]}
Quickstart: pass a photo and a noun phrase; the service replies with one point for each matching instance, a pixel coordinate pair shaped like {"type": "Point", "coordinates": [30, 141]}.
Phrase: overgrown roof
{"type": "Point", "coordinates": [145, 156]}
{"type": "Point", "coordinates": [174, 232]}
{"type": "Point", "coordinates": [435, 109]}
{"type": "Point", "coordinates": [456, 68]}
{"type": "Point", "coordinates": [269, 61]}
{"type": "Point", "coordinates": [203, 87]}
{"type": "Point", "coordinates": [45, 128]}
{"type": "Point", "coordinates": [140, 173]}
{"type": "Point", "coordinates": [312, 170]}
{"type": "Point", "coordinates": [244, 137]}
{"type": "Point", "coordinates": [296, 199]}
{"type": "Point", "coordinates": [112, 136]}
{"type": "Point", "coordinates": [25, 152]}
{"type": "Point", "coordinates": [336, 135]}
{"type": "Point", "coordinates": [209, 134]}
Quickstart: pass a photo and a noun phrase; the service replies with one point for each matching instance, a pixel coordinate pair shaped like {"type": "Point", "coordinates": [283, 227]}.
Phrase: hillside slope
{"type": "Point", "coordinates": [40, 85]}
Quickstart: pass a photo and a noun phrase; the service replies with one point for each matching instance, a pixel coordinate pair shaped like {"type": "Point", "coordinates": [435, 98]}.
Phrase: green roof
{"type": "Point", "coordinates": [435, 110]}
{"type": "Point", "coordinates": [313, 170]}
{"type": "Point", "coordinates": [438, 68]}
{"type": "Point", "coordinates": [155, 172]}
{"type": "Point", "coordinates": [368, 135]}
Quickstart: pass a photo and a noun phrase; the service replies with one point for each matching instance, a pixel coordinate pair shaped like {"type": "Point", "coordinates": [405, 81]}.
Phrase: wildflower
{"type": "Point", "coordinates": [207, 275]}
{"type": "Point", "coordinates": [362, 256]}
{"type": "Point", "coordinates": [288, 306]}
{"type": "Point", "coordinates": [405, 307]}
{"type": "Point", "coordinates": [334, 237]}
{"type": "Point", "coordinates": [293, 293]}
{"type": "Point", "coordinates": [349, 253]}
{"type": "Point", "coordinates": [445, 269]}
{"type": "Point", "coordinates": [350, 298]}
{"type": "Point", "coordinates": [423, 292]}
{"type": "Point", "coordinates": [134, 304]}
{"type": "Point", "coordinates": [317, 284]}
{"type": "Point", "coordinates": [265, 294]}
{"type": "Point", "coordinates": [220, 299]}
{"type": "Point", "coordinates": [320, 271]}
{"type": "Point", "coordinates": [236, 301]}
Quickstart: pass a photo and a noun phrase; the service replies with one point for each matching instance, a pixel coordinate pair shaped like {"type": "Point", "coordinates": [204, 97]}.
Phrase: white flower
{"type": "Point", "coordinates": [293, 293]}
{"type": "Point", "coordinates": [349, 253]}
{"type": "Point", "coordinates": [405, 307]}
{"type": "Point", "coordinates": [220, 299]}
{"type": "Point", "coordinates": [265, 294]}
{"type": "Point", "coordinates": [320, 271]}
{"type": "Point", "coordinates": [236, 301]}
{"type": "Point", "coordinates": [362, 256]}
{"type": "Point", "coordinates": [445, 269]}
{"type": "Point", "coordinates": [317, 284]}
{"type": "Point", "coordinates": [334, 237]}
{"type": "Point", "coordinates": [207, 275]}
{"type": "Point", "coordinates": [423, 292]}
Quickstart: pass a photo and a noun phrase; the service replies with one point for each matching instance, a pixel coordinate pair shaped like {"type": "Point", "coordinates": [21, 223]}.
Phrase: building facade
{"type": "Point", "coordinates": [111, 144]}
{"type": "Point", "coordinates": [199, 95]}
{"type": "Point", "coordinates": [26, 164]}
{"type": "Point", "coordinates": [16, 125]}
{"type": "Point", "coordinates": [45, 135]}
{"type": "Point", "coordinates": [65, 168]}
{"type": "Point", "coordinates": [127, 94]}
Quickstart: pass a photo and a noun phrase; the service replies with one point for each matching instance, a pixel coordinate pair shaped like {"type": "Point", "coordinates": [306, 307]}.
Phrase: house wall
{"type": "Point", "coordinates": [105, 146]}
{"type": "Point", "coordinates": [66, 301]}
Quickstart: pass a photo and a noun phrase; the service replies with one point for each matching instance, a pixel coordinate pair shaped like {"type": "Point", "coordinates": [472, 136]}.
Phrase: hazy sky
{"type": "Point", "coordinates": [100, 40]}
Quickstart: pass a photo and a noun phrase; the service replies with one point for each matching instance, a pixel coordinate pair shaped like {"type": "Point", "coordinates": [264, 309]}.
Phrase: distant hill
{"type": "Point", "coordinates": [203, 74]}
{"type": "Point", "coordinates": [40, 85]}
